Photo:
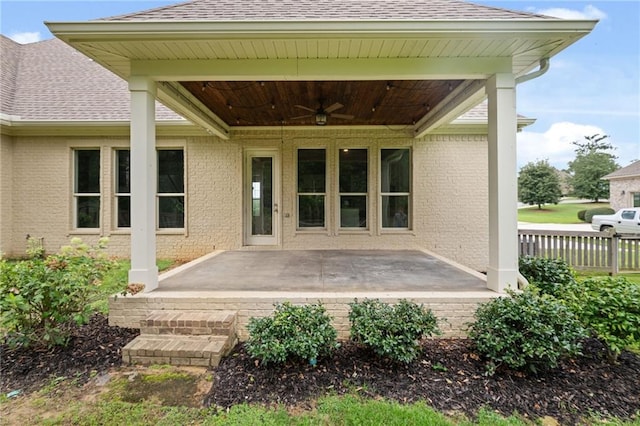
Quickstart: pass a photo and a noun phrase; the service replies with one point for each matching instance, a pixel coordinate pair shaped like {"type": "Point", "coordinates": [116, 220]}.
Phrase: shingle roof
{"type": "Point", "coordinates": [631, 170]}
{"type": "Point", "coordinates": [324, 10]}
{"type": "Point", "coordinates": [49, 80]}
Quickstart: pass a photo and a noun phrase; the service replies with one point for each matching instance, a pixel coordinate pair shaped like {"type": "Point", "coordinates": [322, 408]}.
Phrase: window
{"type": "Point", "coordinates": [628, 214]}
{"type": "Point", "coordinates": [312, 173]}
{"type": "Point", "coordinates": [353, 187]}
{"type": "Point", "coordinates": [86, 188]}
{"type": "Point", "coordinates": [171, 188]}
{"type": "Point", "coordinates": [395, 187]}
{"type": "Point", "coordinates": [636, 199]}
{"type": "Point", "coordinates": [170, 191]}
{"type": "Point", "coordinates": [123, 189]}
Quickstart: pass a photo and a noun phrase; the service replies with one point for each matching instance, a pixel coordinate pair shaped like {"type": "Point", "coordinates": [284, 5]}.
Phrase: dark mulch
{"type": "Point", "coordinates": [576, 388]}
{"type": "Point", "coordinates": [93, 348]}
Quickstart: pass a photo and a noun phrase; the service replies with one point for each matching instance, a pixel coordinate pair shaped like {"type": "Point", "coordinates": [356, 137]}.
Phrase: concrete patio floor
{"type": "Point", "coordinates": [321, 271]}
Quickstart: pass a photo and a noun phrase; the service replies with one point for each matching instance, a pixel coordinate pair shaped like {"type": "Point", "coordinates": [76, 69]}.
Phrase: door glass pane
{"type": "Point", "coordinates": [261, 196]}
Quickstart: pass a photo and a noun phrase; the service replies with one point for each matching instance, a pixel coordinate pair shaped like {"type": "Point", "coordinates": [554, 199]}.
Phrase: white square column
{"type": "Point", "coordinates": [503, 185]}
{"type": "Point", "coordinates": [143, 183]}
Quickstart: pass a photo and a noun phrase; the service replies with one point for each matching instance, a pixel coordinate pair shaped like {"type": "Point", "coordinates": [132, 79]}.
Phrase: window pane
{"type": "Point", "coordinates": [353, 170]}
{"type": "Point", "coordinates": [310, 211]}
{"type": "Point", "coordinates": [88, 213]}
{"type": "Point", "coordinates": [124, 211]}
{"type": "Point", "coordinates": [353, 211]}
{"type": "Point", "coordinates": [171, 212]}
{"type": "Point", "coordinates": [123, 172]}
{"type": "Point", "coordinates": [395, 170]}
{"type": "Point", "coordinates": [636, 199]}
{"type": "Point", "coordinates": [395, 211]}
{"type": "Point", "coordinates": [170, 171]}
{"type": "Point", "coordinates": [87, 171]}
{"type": "Point", "coordinates": [311, 170]}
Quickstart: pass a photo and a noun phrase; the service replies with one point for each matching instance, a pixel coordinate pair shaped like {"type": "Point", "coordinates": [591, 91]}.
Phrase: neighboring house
{"type": "Point", "coordinates": [316, 125]}
{"type": "Point", "coordinates": [624, 187]}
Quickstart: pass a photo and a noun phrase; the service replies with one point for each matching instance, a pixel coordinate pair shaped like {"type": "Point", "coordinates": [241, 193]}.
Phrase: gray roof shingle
{"type": "Point", "coordinates": [632, 170]}
{"type": "Point", "coordinates": [324, 10]}
{"type": "Point", "coordinates": [50, 80]}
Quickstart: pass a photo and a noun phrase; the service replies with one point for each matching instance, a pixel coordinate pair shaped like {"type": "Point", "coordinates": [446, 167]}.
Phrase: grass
{"type": "Point", "coordinates": [566, 213]}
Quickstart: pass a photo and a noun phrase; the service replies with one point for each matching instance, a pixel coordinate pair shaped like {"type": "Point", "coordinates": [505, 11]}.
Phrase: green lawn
{"type": "Point", "coordinates": [556, 213]}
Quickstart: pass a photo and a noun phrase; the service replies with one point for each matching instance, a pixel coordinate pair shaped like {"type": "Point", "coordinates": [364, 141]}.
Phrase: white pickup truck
{"type": "Point", "coordinates": [624, 221]}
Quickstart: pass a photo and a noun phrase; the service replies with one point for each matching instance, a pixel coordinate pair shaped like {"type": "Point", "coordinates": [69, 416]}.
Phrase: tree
{"type": "Point", "coordinates": [538, 183]}
{"type": "Point", "coordinates": [592, 162]}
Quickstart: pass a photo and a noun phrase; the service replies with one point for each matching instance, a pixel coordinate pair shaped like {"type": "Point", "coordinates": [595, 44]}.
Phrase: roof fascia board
{"type": "Point", "coordinates": [173, 30]}
{"type": "Point", "coordinates": [321, 69]}
{"type": "Point", "coordinates": [94, 128]}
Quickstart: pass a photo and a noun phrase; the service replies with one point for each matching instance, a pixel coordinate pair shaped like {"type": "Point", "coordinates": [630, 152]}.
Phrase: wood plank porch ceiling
{"type": "Point", "coordinates": [273, 103]}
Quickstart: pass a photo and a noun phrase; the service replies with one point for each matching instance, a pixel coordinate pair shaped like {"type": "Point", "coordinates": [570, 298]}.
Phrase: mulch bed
{"type": "Point", "coordinates": [578, 387]}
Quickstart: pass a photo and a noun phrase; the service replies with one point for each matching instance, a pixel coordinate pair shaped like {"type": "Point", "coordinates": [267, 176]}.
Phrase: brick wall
{"type": "Point", "coordinates": [6, 206]}
{"type": "Point", "coordinates": [622, 191]}
{"type": "Point", "coordinates": [454, 310]}
{"type": "Point", "coordinates": [449, 193]}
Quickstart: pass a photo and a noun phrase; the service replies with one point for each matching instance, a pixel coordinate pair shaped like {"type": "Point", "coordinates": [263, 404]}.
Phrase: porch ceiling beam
{"type": "Point", "coordinates": [179, 99]}
{"type": "Point", "coordinates": [321, 69]}
{"type": "Point", "coordinates": [465, 96]}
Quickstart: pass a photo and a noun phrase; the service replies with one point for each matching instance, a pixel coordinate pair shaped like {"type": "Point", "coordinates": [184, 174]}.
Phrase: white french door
{"type": "Point", "coordinates": [262, 197]}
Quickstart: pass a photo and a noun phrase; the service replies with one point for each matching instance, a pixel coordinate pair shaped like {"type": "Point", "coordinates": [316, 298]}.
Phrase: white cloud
{"type": "Point", "coordinates": [555, 144]}
{"type": "Point", "coordinates": [26, 37]}
{"type": "Point", "coordinates": [589, 12]}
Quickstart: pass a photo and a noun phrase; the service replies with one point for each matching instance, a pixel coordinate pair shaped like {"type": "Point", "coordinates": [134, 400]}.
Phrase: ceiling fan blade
{"type": "Point", "coordinates": [333, 107]}
{"type": "Point", "coordinates": [305, 108]}
{"type": "Point", "coordinates": [343, 116]}
{"type": "Point", "coordinates": [301, 117]}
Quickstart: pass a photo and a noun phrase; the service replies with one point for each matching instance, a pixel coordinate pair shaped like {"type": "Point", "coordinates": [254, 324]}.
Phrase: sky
{"type": "Point", "coordinates": [593, 87]}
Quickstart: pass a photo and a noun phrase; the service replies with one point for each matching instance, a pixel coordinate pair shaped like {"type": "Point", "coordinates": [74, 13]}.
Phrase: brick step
{"type": "Point", "coordinates": [218, 323]}
{"type": "Point", "coordinates": [202, 351]}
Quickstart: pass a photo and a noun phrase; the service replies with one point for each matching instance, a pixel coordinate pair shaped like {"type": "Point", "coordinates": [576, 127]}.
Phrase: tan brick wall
{"type": "Point", "coordinates": [6, 206]}
{"type": "Point", "coordinates": [454, 311]}
{"type": "Point", "coordinates": [449, 192]}
{"type": "Point", "coordinates": [622, 191]}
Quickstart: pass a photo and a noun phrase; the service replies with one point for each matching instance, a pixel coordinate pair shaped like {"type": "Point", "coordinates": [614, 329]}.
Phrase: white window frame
{"type": "Point", "coordinates": [409, 195]}
{"type": "Point", "coordinates": [76, 195]}
{"type": "Point", "coordinates": [160, 195]}
{"type": "Point", "coordinates": [347, 194]}
{"type": "Point", "coordinates": [117, 195]}
{"type": "Point", "coordinates": [323, 194]}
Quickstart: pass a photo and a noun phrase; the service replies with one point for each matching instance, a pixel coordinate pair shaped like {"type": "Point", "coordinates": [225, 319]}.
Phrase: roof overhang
{"type": "Point", "coordinates": [294, 52]}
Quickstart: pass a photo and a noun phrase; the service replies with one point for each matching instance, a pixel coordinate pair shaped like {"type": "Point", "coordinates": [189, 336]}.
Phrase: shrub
{"type": "Point", "coordinates": [392, 331]}
{"type": "Point", "coordinates": [303, 332]}
{"type": "Point", "coordinates": [527, 331]}
{"type": "Point", "coordinates": [589, 214]}
{"type": "Point", "coordinates": [610, 308]}
{"type": "Point", "coordinates": [38, 297]}
{"type": "Point", "coordinates": [549, 275]}
{"type": "Point", "coordinates": [581, 214]}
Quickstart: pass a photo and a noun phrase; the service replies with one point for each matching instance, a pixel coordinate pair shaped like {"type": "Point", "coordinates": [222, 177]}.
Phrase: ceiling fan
{"type": "Point", "coordinates": [321, 113]}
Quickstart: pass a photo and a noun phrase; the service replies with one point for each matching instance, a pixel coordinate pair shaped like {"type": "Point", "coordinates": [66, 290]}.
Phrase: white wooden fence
{"type": "Point", "coordinates": [583, 250]}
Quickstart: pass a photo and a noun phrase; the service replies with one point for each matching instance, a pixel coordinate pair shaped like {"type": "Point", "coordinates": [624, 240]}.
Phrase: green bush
{"type": "Point", "coordinates": [303, 332]}
{"type": "Point", "coordinates": [589, 214]}
{"type": "Point", "coordinates": [392, 331]}
{"type": "Point", "coordinates": [527, 331]}
{"type": "Point", "coordinates": [549, 275]}
{"type": "Point", "coordinates": [39, 296]}
{"type": "Point", "coordinates": [581, 214]}
{"type": "Point", "coordinates": [609, 307]}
